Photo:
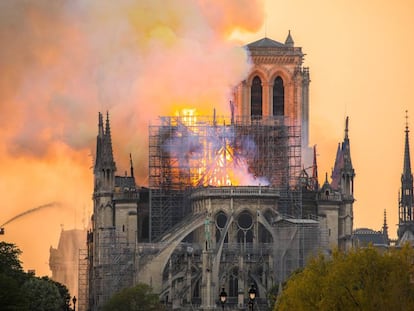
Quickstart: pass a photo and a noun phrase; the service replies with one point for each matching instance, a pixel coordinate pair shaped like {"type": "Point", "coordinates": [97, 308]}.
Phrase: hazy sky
{"type": "Point", "coordinates": [359, 55]}
{"type": "Point", "coordinates": [62, 62]}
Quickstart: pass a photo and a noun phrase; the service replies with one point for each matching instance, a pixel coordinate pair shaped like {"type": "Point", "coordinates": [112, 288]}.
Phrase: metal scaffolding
{"type": "Point", "coordinates": [192, 151]}
{"type": "Point", "coordinates": [83, 280]}
{"type": "Point", "coordinates": [298, 240]}
{"type": "Point", "coordinates": [114, 268]}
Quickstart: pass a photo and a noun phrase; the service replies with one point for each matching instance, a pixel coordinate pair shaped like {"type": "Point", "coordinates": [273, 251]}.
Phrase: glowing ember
{"type": "Point", "coordinates": [208, 153]}
{"type": "Point", "coordinates": [219, 172]}
{"type": "Point", "coordinates": [188, 116]}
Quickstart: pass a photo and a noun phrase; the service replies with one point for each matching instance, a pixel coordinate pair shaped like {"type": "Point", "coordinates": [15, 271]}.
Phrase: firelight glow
{"type": "Point", "coordinates": [204, 151]}
{"type": "Point", "coordinates": [188, 116]}
{"type": "Point", "coordinates": [62, 62]}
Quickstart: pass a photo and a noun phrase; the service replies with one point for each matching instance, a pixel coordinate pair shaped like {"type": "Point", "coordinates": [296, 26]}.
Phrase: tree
{"type": "Point", "coordinates": [42, 295]}
{"type": "Point", "coordinates": [362, 279]}
{"type": "Point", "coordinates": [63, 292]}
{"type": "Point", "coordinates": [21, 291]}
{"type": "Point", "coordinates": [138, 298]}
{"type": "Point", "coordinates": [10, 263]}
{"type": "Point", "coordinates": [11, 296]}
{"type": "Point", "coordinates": [272, 295]}
{"type": "Point", "coordinates": [12, 278]}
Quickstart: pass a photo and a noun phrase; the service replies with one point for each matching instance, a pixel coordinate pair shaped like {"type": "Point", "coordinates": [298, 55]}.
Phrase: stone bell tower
{"type": "Point", "coordinates": [276, 86]}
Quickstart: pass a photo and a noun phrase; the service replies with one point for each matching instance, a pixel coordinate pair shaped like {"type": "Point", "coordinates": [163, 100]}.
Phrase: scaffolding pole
{"type": "Point", "coordinates": [83, 280]}
{"type": "Point", "coordinates": [114, 269]}
{"type": "Point", "coordinates": [188, 152]}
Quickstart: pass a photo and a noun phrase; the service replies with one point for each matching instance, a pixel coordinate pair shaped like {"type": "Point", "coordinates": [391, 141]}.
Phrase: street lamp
{"type": "Point", "coordinates": [252, 297]}
{"type": "Point", "coordinates": [74, 303]}
{"type": "Point", "coordinates": [223, 298]}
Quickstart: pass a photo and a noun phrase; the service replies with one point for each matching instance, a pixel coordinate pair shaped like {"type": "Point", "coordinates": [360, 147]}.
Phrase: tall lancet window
{"type": "Point", "coordinates": [278, 97]}
{"type": "Point", "coordinates": [256, 98]}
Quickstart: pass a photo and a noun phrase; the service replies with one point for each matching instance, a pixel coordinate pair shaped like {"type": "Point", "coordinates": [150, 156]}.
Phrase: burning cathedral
{"type": "Point", "coordinates": [232, 203]}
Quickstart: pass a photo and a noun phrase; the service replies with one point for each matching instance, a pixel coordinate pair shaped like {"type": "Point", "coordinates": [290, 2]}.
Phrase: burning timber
{"type": "Point", "coordinates": [230, 203]}
{"type": "Point", "coordinates": [227, 206]}
{"type": "Point", "coordinates": [186, 152]}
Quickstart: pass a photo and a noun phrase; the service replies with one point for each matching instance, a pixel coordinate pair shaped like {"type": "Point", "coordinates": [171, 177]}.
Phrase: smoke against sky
{"type": "Point", "coordinates": [359, 55]}
{"type": "Point", "coordinates": [64, 61]}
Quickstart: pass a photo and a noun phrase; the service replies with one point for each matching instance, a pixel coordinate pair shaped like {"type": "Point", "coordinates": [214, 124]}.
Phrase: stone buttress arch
{"type": "Point", "coordinates": [151, 272]}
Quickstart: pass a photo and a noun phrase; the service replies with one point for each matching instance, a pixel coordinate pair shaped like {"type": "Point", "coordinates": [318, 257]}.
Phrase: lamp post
{"type": "Point", "coordinates": [74, 303]}
{"type": "Point", "coordinates": [252, 297]}
{"type": "Point", "coordinates": [223, 298]}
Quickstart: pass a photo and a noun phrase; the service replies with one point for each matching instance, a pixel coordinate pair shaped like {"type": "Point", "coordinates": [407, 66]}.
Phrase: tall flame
{"type": "Point", "coordinates": [208, 151]}
{"type": "Point", "coordinates": [219, 171]}
{"type": "Point", "coordinates": [63, 61]}
{"type": "Point", "coordinates": [188, 116]}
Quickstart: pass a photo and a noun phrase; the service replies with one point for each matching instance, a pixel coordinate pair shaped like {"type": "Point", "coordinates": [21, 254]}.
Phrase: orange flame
{"type": "Point", "coordinates": [216, 163]}
{"type": "Point", "coordinates": [188, 116]}
{"type": "Point", "coordinates": [220, 170]}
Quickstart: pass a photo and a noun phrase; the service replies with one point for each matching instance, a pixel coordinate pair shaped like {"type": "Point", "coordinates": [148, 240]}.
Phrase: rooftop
{"type": "Point", "coordinates": [265, 43]}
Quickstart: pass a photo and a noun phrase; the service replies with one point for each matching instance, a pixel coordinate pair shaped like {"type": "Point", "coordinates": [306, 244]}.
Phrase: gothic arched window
{"type": "Point", "coordinates": [278, 97]}
{"type": "Point", "coordinates": [256, 98]}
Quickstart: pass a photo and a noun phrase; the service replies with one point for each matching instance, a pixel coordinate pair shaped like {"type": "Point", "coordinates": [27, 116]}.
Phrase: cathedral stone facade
{"type": "Point", "coordinates": [195, 231]}
{"type": "Point", "coordinates": [277, 85]}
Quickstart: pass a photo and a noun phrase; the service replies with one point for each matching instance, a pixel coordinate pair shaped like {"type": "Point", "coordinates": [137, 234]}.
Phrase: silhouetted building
{"type": "Point", "coordinates": [64, 260]}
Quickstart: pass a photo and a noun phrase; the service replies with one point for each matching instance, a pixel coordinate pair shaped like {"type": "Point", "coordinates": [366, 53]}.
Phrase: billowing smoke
{"type": "Point", "coordinates": [211, 155]}
{"type": "Point", "coordinates": [63, 61]}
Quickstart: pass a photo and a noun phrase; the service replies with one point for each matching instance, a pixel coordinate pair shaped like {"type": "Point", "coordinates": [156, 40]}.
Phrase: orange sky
{"type": "Point", "coordinates": [361, 65]}
{"type": "Point", "coordinates": [61, 63]}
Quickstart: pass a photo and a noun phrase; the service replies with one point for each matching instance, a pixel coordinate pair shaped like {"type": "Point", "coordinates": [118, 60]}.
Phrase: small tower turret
{"type": "Point", "coordinates": [406, 197]}
{"type": "Point", "coordinates": [406, 204]}
{"type": "Point", "coordinates": [385, 228]}
{"type": "Point", "coordinates": [343, 182]}
{"type": "Point", "coordinates": [315, 171]}
{"type": "Point", "coordinates": [343, 173]}
{"type": "Point", "coordinates": [348, 170]}
{"type": "Point", "coordinates": [289, 41]}
{"type": "Point", "coordinates": [105, 166]}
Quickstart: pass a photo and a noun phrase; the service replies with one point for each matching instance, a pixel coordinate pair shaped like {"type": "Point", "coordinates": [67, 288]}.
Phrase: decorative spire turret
{"type": "Point", "coordinates": [406, 204]}
{"type": "Point", "coordinates": [407, 159]}
{"type": "Point", "coordinates": [385, 227]}
{"type": "Point", "coordinates": [346, 148]}
{"type": "Point", "coordinates": [107, 126]}
{"type": "Point", "coordinates": [336, 172]}
{"type": "Point", "coordinates": [289, 41]}
{"type": "Point", "coordinates": [346, 128]}
{"type": "Point", "coordinates": [315, 170]}
{"type": "Point", "coordinates": [105, 167]}
{"type": "Point", "coordinates": [100, 126]}
{"type": "Point", "coordinates": [132, 166]}
{"type": "Point", "coordinates": [343, 173]}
